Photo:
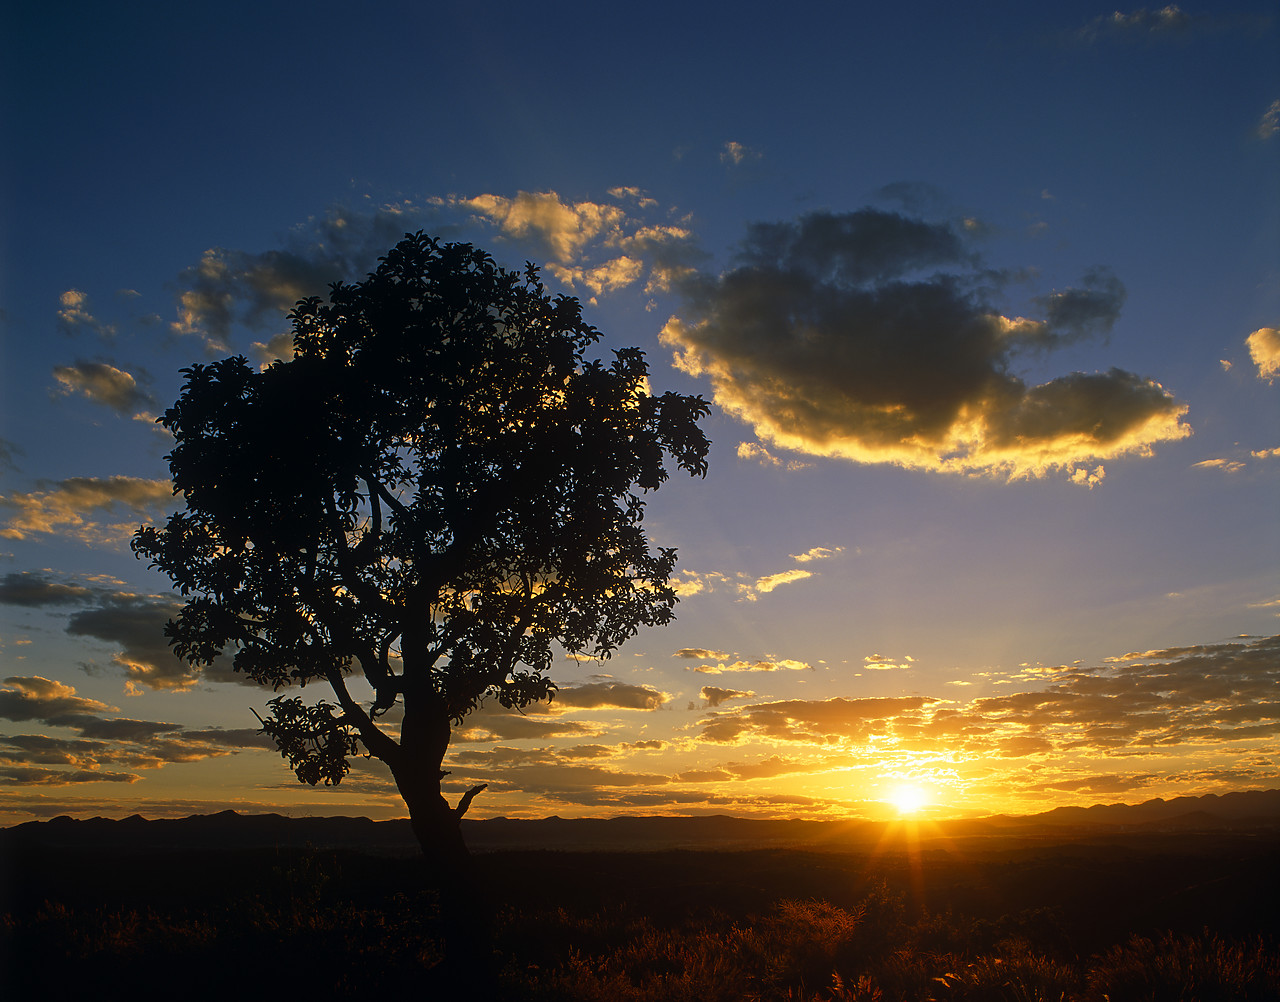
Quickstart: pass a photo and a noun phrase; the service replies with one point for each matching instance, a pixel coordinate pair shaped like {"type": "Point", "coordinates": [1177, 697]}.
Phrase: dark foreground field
{"type": "Point", "coordinates": [1150, 916]}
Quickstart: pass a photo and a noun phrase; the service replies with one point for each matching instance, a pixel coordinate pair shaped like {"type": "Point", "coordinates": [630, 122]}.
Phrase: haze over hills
{"type": "Point", "coordinates": [228, 829]}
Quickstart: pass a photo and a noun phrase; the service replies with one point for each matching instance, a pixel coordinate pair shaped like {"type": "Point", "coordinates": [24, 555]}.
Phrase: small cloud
{"type": "Point", "coordinates": [699, 654]}
{"type": "Point", "coordinates": [756, 451]}
{"type": "Point", "coordinates": [74, 316]}
{"type": "Point", "coordinates": [1269, 124]}
{"type": "Point", "coordinates": [1265, 453]}
{"type": "Point", "coordinates": [783, 664]}
{"type": "Point", "coordinates": [880, 662]}
{"type": "Point", "coordinates": [104, 384]}
{"type": "Point", "coordinates": [1225, 465]}
{"type": "Point", "coordinates": [735, 153]}
{"type": "Point", "coordinates": [769, 582]}
{"type": "Point", "coordinates": [817, 553]}
{"type": "Point", "coordinates": [1141, 23]}
{"type": "Point", "coordinates": [1264, 349]}
{"type": "Point", "coordinates": [278, 346]}
{"type": "Point", "coordinates": [714, 695]}
{"type": "Point", "coordinates": [1226, 365]}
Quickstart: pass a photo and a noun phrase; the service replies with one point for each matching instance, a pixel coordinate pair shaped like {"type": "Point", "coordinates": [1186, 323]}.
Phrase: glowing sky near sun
{"type": "Point", "coordinates": [986, 304]}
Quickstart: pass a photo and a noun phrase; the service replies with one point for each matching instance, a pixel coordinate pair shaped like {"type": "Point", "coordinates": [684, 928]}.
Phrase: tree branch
{"type": "Point", "coordinates": [465, 803]}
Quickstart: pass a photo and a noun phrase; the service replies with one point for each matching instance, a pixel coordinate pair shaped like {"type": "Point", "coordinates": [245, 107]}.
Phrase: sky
{"type": "Point", "coordinates": [987, 306]}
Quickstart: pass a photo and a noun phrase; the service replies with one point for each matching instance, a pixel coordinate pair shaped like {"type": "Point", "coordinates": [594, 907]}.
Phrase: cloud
{"type": "Point", "coordinates": [621, 695]}
{"type": "Point", "coordinates": [562, 229]}
{"type": "Point", "coordinates": [698, 653]}
{"type": "Point", "coordinates": [233, 286]}
{"type": "Point", "coordinates": [278, 346]}
{"type": "Point", "coordinates": [809, 721]}
{"type": "Point", "coordinates": [104, 384]}
{"type": "Point", "coordinates": [102, 741]}
{"type": "Point", "coordinates": [1225, 465]}
{"type": "Point", "coordinates": [1269, 124]}
{"type": "Point", "coordinates": [714, 695]}
{"type": "Point", "coordinates": [29, 776]}
{"type": "Point", "coordinates": [43, 699]}
{"type": "Point", "coordinates": [783, 664]}
{"type": "Point", "coordinates": [769, 582]}
{"type": "Point", "coordinates": [35, 589]}
{"type": "Point", "coordinates": [608, 277]}
{"type": "Point", "coordinates": [1264, 349]}
{"type": "Point", "coordinates": [756, 451]}
{"type": "Point", "coordinates": [7, 451]}
{"type": "Point", "coordinates": [735, 153]}
{"type": "Point", "coordinates": [1141, 23]}
{"type": "Point", "coordinates": [816, 553]}
{"type": "Point", "coordinates": [835, 336]}
{"type": "Point", "coordinates": [879, 662]}
{"type": "Point", "coordinates": [66, 507]}
{"type": "Point", "coordinates": [74, 316]}
{"type": "Point", "coordinates": [136, 624]}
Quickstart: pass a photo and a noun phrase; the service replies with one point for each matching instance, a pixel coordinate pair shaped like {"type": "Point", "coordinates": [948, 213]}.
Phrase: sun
{"type": "Point", "coordinates": [908, 799]}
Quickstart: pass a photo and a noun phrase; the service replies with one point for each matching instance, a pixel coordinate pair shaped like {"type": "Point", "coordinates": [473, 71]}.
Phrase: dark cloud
{"type": "Point", "coordinates": [104, 384]}
{"type": "Point", "coordinates": [836, 335]}
{"type": "Point", "coordinates": [714, 695]}
{"type": "Point", "coordinates": [7, 451]}
{"type": "Point", "coordinates": [103, 741]}
{"type": "Point", "coordinates": [234, 286]}
{"type": "Point", "coordinates": [513, 727]}
{"type": "Point", "coordinates": [34, 589]}
{"type": "Point", "coordinates": [37, 698]}
{"type": "Point", "coordinates": [620, 695]}
{"type": "Point", "coordinates": [32, 776]}
{"type": "Point", "coordinates": [137, 624]}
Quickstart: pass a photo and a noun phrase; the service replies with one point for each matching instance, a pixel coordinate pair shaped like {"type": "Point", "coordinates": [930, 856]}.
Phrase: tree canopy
{"type": "Point", "coordinates": [435, 492]}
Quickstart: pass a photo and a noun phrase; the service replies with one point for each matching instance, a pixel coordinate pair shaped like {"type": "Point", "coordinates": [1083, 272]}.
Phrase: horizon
{"type": "Point", "coordinates": [989, 526]}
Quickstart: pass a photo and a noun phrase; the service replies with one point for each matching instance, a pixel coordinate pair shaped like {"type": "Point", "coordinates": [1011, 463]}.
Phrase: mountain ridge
{"type": "Point", "coordinates": [232, 830]}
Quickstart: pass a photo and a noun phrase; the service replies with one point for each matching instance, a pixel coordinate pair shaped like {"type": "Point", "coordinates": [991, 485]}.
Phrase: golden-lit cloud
{"type": "Point", "coordinates": [1135, 709]}
{"type": "Point", "coordinates": [764, 664]}
{"type": "Point", "coordinates": [833, 336]}
{"type": "Point", "coordinates": [79, 507]}
{"type": "Point", "coordinates": [104, 384]}
{"type": "Point", "coordinates": [757, 452]}
{"type": "Point", "coordinates": [769, 582]}
{"type": "Point", "coordinates": [1225, 465]}
{"type": "Point", "coordinates": [74, 316]}
{"type": "Point", "coordinates": [879, 662]}
{"type": "Point", "coordinates": [1264, 349]}
{"type": "Point", "coordinates": [816, 553]}
{"type": "Point", "coordinates": [608, 277]}
{"type": "Point", "coordinates": [563, 228]}
{"type": "Point", "coordinates": [735, 153]}
{"type": "Point", "coordinates": [102, 740]}
{"type": "Point", "coordinates": [618, 695]}
{"type": "Point", "coordinates": [699, 654]}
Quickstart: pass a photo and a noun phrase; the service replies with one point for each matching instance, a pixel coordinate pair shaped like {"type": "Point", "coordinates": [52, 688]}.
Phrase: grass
{"type": "Point", "coordinates": [616, 927]}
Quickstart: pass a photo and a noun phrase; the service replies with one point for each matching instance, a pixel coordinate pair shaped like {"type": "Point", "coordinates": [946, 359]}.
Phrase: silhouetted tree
{"type": "Point", "coordinates": [433, 493]}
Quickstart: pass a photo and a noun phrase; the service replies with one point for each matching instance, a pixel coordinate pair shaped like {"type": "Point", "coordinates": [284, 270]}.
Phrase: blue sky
{"type": "Point", "coordinates": [1059, 485]}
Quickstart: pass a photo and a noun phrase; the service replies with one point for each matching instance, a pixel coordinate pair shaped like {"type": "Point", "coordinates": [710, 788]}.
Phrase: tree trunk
{"type": "Point", "coordinates": [465, 911]}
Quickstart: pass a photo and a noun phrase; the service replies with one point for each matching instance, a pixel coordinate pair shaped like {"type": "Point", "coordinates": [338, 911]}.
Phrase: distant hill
{"type": "Point", "coordinates": [230, 830]}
